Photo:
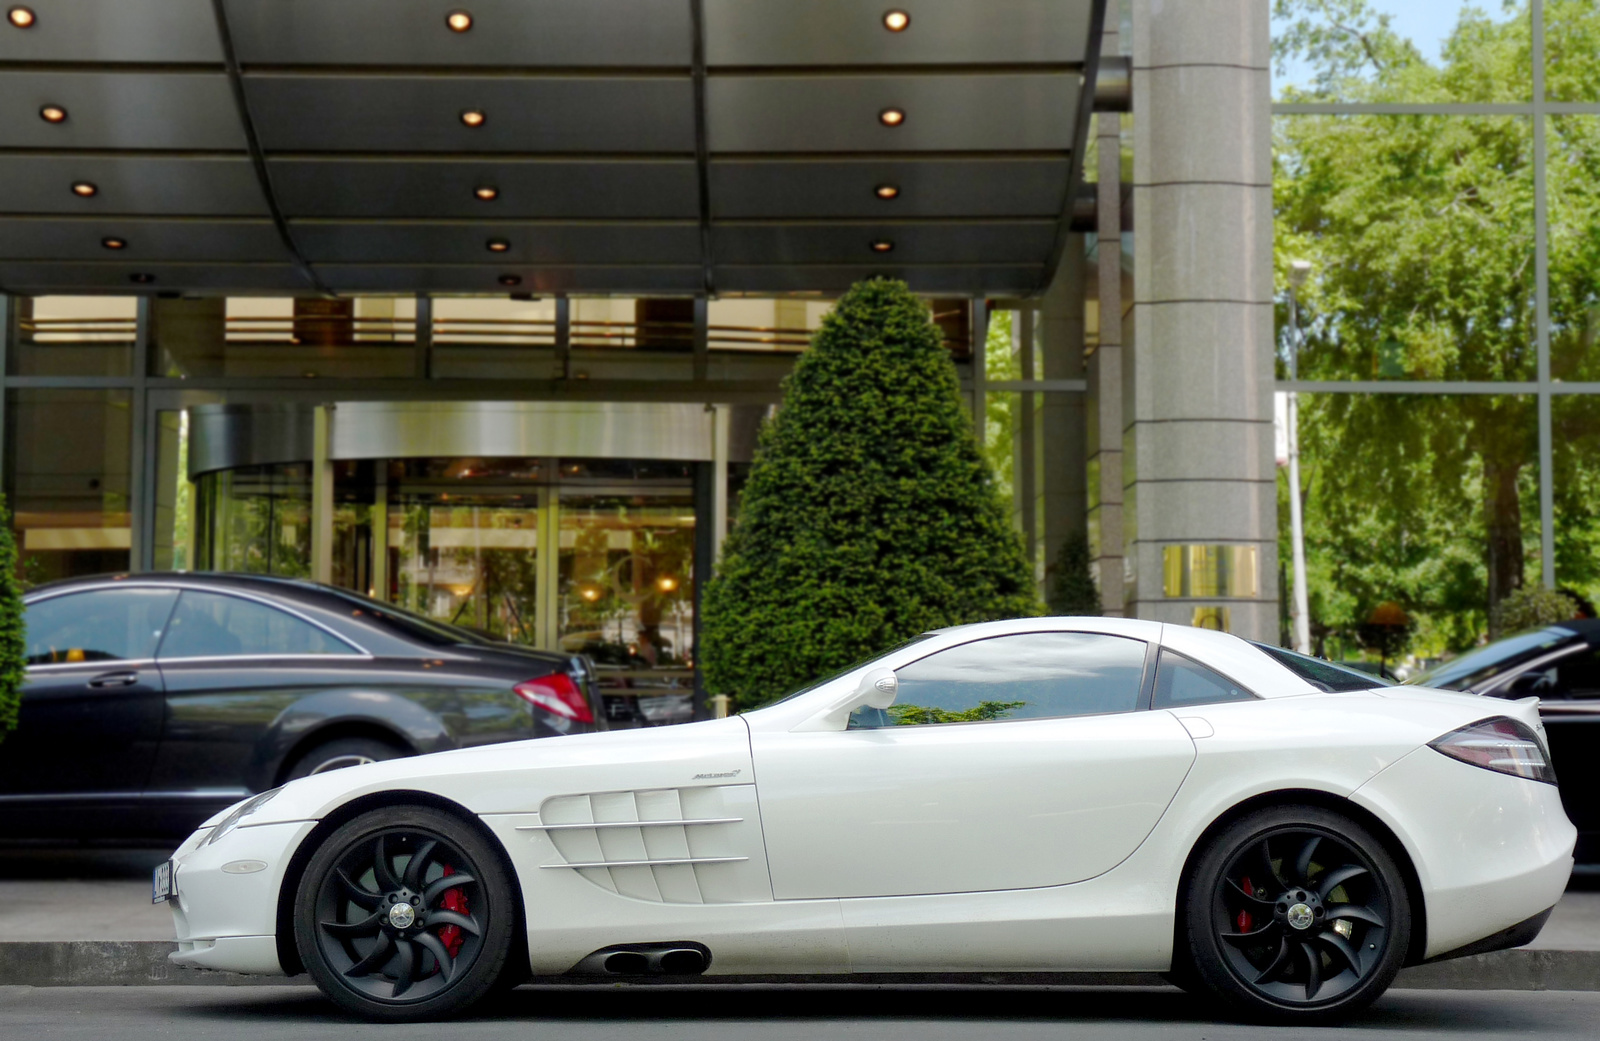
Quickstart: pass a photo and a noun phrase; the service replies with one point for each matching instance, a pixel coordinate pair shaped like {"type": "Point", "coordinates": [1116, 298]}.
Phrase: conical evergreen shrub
{"type": "Point", "coordinates": [869, 516]}
{"type": "Point", "coordinates": [13, 643]}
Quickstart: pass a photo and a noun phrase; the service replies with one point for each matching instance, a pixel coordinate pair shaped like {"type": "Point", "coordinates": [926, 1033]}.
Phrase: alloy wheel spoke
{"type": "Point", "coordinates": [1302, 863]}
{"type": "Point", "coordinates": [1237, 892]}
{"type": "Point", "coordinates": [460, 921]}
{"type": "Point", "coordinates": [376, 957]}
{"type": "Point", "coordinates": [439, 885]}
{"type": "Point", "coordinates": [433, 945]}
{"type": "Point", "coordinates": [382, 866]}
{"type": "Point", "coordinates": [356, 894]}
{"type": "Point", "coordinates": [1356, 912]}
{"type": "Point", "coordinates": [1337, 944]}
{"type": "Point", "coordinates": [1254, 938]}
{"type": "Point", "coordinates": [408, 964]}
{"type": "Point", "coordinates": [1284, 957]}
{"type": "Point", "coordinates": [344, 930]}
{"type": "Point", "coordinates": [1313, 970]}
{"type": "Point", "coordinates": [1338, 877]}
{"type": "Point", "coordinates": [418, 864]}
{"type": "Point", "coordinates": [1264, 857]}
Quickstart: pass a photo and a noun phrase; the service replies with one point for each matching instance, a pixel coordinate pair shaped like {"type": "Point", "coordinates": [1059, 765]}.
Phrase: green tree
{"type": "Point", "coordinates": [1072, 588]}
{"type": "Point", "coordinates": [869, 516]}
{"type": "Point", "coordinates": [13, 638]}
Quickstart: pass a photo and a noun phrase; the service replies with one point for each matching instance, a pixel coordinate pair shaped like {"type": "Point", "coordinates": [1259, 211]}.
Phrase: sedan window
{"type": "Point", "coordinates": [1024, 676]}
{"type": "Point", "coordinates": [121, 624]}
{"type": "Point", "coordinates": [212, 625]}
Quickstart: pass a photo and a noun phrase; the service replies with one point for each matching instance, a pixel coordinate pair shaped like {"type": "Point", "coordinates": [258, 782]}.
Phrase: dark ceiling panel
{"type": "Point", "coordinates": [134, 110]}
{"type": "Point", "coordinates": [823, 188]}
{"type": "Point", "coordinates": [528, 243]}
{"type": "Point", "coordinates": [828, 113]}
{"type": "Point", "coordinates": [445, 187]}
{"type": "Point", "coordinates": [503, 32]}
{"type": "Point", "coordinates": [220, 186]}
{"type": "Point", "coordinates": [37, 277]}
{"type": "Point", "coordinates": [955, 278]}
{"type": "Point", "coordinates": [472, 279]}
{"type": "Point", "coordinates": [851, 32]}
{"type": "Point", "coordinates": [295, 113]}
{"type": "Point", "coordinates": [810, 243]}
{"type": "Point", "coordinates": [144, 240]}
{"type": "Point", "coordinates": [168, 31]}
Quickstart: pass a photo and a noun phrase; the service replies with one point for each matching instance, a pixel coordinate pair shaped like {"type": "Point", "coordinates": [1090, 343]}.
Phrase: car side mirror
{"type": "Point", "coordinates": [878, 688]}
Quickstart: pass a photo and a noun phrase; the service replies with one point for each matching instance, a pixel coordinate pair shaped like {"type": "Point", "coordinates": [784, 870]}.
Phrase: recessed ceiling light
{"type": "Point", "coordinates": [53, 114]}
{"type": "Point", "coordinates": [144, 278]}
{"type": "Point", "coordinates": [896, 21]}
{"type": "Point", "coordinates": [21, 17]}
{"type": "Point", "coordinates": [487, 193]}
{"type": "Point", "coordinates": [882, 245]}
{"type": "Point", "coordinates": [112, 242]}
{"type": "Point", "coordinates": [458, 21]}
{"type": "Point", "coordinates": [511, 280]}
{"type": "Point", "coordinates": [887, 191]}
{"type": "Point", "coordinates": [892, 117]}
{"type": "Point", "coordinates": [84, 189]}
{"type": "Point", "coordinates": [497, 245]}
{"type": "Point", "coordinates": [473, 117]}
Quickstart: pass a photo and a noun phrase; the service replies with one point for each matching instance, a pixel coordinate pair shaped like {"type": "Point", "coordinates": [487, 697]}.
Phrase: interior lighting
{"type": "Point", "coordinates": [53, 114]}
{"type": "Point", "coordinates": [896, 21]}
{"type": "Point", "coordinates": [21, 17]}
{"type": "Point", "coordinates": [112, 242]}
{"type": "Point", "coordinates": [143, 278]}
{"type": "Point", "coordinates": [667, 583]}
{"type": "Point", "coordinates": [511, 280]}
{"type": "Point", "coordinates": [882, 245]}
{"type": "Point", "coordinates": [458, 21]}
{"type": "Point", "coordinates": [85, 189]}
{"type": "Point", "coordinates": [487, 193]}
{"type": "Point", "coordinates": [887, 191]}
{"type": "Point", "coordinates": [473, 117]}
{"type": "Point", "coordinates": [892, 117]}
{"type": "Point", "coordinates": [497, 245]}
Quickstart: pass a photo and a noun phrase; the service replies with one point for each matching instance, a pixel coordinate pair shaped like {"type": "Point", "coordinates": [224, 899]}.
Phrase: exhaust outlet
{"type": "Point", "coordinates": [675, 958]}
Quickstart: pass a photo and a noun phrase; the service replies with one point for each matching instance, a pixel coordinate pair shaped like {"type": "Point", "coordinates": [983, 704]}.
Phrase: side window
{"type": "Point", "coordinates": [102, 625]}
{"type": "Point", "coordinates": [1024, 676]}
{"type": "Point", "coordinates": [1576, 676]}
{"type": "Point", "coordinates": [1181, 681]}
{"type": "Point", "coordinates": [213, 625]}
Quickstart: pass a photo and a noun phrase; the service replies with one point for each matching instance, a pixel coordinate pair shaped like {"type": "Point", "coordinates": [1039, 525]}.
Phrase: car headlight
{"type": "Point", "coordinates": [240, 812]}
{"type": "Point", "coordinates": [1500, 744]}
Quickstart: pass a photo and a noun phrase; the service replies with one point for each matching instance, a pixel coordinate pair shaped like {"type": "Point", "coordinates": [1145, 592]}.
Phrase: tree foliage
{"type": "Point", "coordinates": [869, 515]}
{"type": "Point", "coordinates": [1072, 587]}
{"type": "Point", "coordinates": [13, 638]}
{"type": "Point", "coordinates": [1534, 607]}
{"type": "Point", "coordinates": [1422, 235]}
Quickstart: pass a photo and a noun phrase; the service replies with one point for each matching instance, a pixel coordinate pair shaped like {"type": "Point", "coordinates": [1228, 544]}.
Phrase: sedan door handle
{"type": "Point", "coordinates": [115, 679]}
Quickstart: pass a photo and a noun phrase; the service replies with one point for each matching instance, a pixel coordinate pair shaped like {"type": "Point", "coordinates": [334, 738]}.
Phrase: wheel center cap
{"type": "Point", "coordinates": [1300, 916]}
{"type": "Point", "coordinates": [402, 915]}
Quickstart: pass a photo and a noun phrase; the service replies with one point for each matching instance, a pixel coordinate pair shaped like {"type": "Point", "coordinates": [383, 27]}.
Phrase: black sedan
{"type": "Point", "coordinates": [1559, 664]}
{"type": "Point", "coordinates": [154, 700]}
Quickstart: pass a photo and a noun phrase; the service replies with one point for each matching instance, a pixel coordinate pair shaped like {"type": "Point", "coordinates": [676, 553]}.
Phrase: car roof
{"type": "Point", "coordinates": [290, 588]}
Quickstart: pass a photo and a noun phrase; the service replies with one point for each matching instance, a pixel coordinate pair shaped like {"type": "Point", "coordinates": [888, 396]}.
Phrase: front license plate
{"type": "Point", "coordinates": [161, 889]}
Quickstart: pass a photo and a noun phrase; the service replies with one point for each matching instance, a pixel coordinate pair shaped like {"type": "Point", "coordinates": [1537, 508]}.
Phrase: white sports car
{"type": "Point", "coordinates": [1035, 795]}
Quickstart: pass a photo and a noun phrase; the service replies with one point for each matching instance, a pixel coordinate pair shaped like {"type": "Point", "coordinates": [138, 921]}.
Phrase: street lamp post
{"type": "Point", "coordinates": [1298, 271]}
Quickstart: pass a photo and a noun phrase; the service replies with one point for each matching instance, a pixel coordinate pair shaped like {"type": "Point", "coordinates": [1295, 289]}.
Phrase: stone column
{"type": "Point", "coordinates": [1105, 367]}
{"type": "Point", "coordinates": [1201, 482]}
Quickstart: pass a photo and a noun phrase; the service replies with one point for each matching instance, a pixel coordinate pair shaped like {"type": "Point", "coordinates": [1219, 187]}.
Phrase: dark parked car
{"type": "Point", "coordinates": [152, 701]}
{"type": "Point", "coordinates": [1559, 664]}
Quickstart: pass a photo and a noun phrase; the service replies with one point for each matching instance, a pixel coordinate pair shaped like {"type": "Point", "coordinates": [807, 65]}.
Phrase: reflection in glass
{"type": "Point", "coordinates": [470, 560]}
{"type": "Point", "coordinates": [1571, 41]}
{"type": "Point", "coordinates": [73, 336]}
{"type": "Point", "coordinates": [1572, 180]}
{"type": "Point", "coordinates": [255, 519]}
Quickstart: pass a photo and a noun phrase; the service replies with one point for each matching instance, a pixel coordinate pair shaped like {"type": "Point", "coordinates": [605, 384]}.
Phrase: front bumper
{"type": "Point", "coordinates": [226, 911]}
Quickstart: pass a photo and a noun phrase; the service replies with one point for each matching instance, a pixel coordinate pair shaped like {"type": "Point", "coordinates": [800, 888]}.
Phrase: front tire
{"type": "Point", "coordinates": [406, 913]}
{"type": "Point", "coordinates": [1296, 914]}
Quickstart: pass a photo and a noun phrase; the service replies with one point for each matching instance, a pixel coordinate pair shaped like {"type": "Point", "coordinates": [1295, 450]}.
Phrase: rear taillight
{"type": "Point", "coordinates": [1502, 745]}
{"type": "Point", "coordinates": [557, 695]}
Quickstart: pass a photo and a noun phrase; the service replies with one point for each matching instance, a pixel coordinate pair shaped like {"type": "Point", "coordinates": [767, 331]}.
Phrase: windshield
{"type": "Point", "coordinates": [853, 666]}
{"type": "Point", "coordinates": [1324, 675]}
{"type": "Point", "coordinates": [1486, 662]}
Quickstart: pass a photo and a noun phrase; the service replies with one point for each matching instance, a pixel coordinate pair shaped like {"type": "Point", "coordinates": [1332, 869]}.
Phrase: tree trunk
{"type": "Point", "coordinates": [1503, 521]}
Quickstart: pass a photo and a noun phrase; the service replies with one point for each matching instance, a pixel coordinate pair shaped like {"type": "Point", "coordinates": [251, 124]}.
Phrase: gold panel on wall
{"type": "Point", "coordinates": [1207, 571]}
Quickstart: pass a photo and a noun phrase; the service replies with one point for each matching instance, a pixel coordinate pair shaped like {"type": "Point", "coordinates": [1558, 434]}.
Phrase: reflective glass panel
{"type": "Point", "coordinates": [469, 558]}
{"type": "Point", "coordinates": [211, 625]}
{"type": "Point", "coordinates": [255, 519]}
{"type": "Point", "coordinates": [73, 336]}
{"type": "Point", "coordinates": [351, 337]}
{"type": "Point", "coordinates": [101, 625]}
{"type": "Point", "coordinates": [1572, 179]}
{"type": "Point", "coordinates": [1571, 42]}
{"type": "Point", "coordinates": [1181, 681]}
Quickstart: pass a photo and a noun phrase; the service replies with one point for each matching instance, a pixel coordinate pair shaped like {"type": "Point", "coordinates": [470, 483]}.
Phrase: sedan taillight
{"type": "Point", "coordinates": [1500, 744]}
{"type": "Point", "coordinates": [557, 695]}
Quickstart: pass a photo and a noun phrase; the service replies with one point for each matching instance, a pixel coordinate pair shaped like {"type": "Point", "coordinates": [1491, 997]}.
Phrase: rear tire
{"type": "Point", "coordinates": [1295, 914]}
{"type": "Point", "coordinates": [340, 753]}
{"type": "Point", "coordinates": [406, 914]}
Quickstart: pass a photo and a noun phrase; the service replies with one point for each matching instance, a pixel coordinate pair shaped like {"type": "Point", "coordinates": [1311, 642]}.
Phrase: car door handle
{"type": "Point", "coordinates": [115, 679]}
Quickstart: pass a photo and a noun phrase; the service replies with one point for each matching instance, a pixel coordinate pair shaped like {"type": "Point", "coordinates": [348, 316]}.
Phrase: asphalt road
{"type": "Point", "coordinates": [603, 1013]}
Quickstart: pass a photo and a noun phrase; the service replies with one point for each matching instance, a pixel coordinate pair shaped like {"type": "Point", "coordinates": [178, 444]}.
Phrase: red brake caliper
{"type": "Point", "coordinates": [453, 900]}
{"type": "Point", "coordinates": [1244, 921]}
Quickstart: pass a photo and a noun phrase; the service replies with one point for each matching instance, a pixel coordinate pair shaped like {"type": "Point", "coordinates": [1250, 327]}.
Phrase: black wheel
{"type": "Point", "coordinates": [340, 753]}
{"type": "Point", "coordinates": [1296, 914]}
{"type": "Point", "coordinates": [405, 914]}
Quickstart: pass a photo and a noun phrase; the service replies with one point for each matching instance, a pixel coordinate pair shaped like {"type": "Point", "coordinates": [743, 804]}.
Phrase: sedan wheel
{"type": "Point", "coordinates": [1297, 914]}
{"type": "Point", "coordinates": [403, 914]}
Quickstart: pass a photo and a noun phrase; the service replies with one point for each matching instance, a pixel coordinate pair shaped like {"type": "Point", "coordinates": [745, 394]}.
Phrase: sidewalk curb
{"type": "Point", "coordinates": [112, 963]}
